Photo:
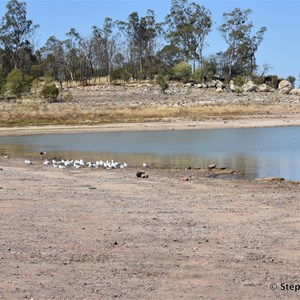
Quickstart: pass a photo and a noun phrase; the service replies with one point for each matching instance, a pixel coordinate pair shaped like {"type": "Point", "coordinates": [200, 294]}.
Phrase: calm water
{"type": "Point", "coordinates": [259, 152]}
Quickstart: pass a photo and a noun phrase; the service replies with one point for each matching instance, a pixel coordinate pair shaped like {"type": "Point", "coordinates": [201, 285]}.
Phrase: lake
{"type": "Point", "coordinates": [258, 152]}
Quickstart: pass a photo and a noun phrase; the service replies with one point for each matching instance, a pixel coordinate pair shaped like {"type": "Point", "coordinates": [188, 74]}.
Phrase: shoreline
{"type": "Point", "coordinates": [149, 126]}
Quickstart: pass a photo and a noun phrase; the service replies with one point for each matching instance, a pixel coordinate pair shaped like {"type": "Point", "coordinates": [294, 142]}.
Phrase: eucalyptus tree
{"type": "Point", "coordinates": [188, 25]}
{"type": "Point", "coordinates": [54, 59]}
{"type": "Point", "coordinates": [104, 46]}
{"type": "Point", "coordinates": [16, 32]}
{"type": "Point", "coordinates": [141, 34]}
{"type": "Point", "coordinates": [72, 53]}
{"type": "Point", "coordinates": [242, 46]}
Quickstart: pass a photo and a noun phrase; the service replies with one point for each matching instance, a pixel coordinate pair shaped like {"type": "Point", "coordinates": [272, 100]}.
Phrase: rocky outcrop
{"type": "Point", "coordinates": [263, 88]}
{"type": "Point", "coordinates": [284, 87]}
{"type": "Point", "coordinates": [249, 86]}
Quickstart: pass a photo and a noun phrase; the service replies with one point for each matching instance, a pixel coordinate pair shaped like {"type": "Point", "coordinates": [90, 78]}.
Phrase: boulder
{"type": "Point", "coordinates": [249, 86]}
{"type": "Point", "coordinates": [263, 88]}
{"type": "Point", "coordinates": [295, 92]}
{"type": "Point", "coordinates": [219, 84]}
{"type": "Point", "coordinates": [212, 84]}
{"type": "Point", "coordinates": [285, 87]}
{"type": "Point", "coordinates": [232, 86]}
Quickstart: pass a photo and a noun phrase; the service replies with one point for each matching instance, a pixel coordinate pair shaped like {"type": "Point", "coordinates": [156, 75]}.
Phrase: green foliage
{"type": "Point", "coordinates": [15, 83]}
{"type": "Point", "coordinates": [50, 92]}
{"type": "Point", "coordinates": [208, 70]}
{"type": "Point", "coordinates": [236, 31]}
{"type": "Point", "coordinates": [188, 27]}
{"type": "Point", "coordinates": [16, 32]}
{"type": "Point", "coordinates": [291, 79]}
{"type": "Point", "coordinates": [182, 71]}
{"type": "Point", "coordinates": [239, 80]}
{"type": "Point", "coordinates": [162, 82]}
{"type": "Point", "coordinates": [258, 80]}
{"type": "Point", "coordinates": [2, 79]}
{"type": "Point", "coordinates": [120, 74]}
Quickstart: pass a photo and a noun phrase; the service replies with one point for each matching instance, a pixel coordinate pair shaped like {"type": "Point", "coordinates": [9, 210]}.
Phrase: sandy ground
{"type": "Point", "coordinates": [106, 234]}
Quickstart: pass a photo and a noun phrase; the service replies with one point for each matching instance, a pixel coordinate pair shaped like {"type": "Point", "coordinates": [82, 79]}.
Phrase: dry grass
{"type": "Point", "coordinates": [34, 112]}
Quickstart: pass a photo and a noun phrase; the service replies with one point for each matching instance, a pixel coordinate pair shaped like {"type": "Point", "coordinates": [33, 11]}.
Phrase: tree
{"type": "Point", "coordinates": [50, 92]}
{"type": "Point", "coordinates": [141, 34]}
{"type": "Point", "coordinates": [188, 27]}
{"type": "Point", "coordinates": [104, 46]}
{"type": "Point", "coordinates": [236, 30]}
{"type": "Point", "coordinates": [15, 83]}
{"type": "Point", "coordinates": [55, 61]}
{"type": "Point", "coordinates": [15, 34]}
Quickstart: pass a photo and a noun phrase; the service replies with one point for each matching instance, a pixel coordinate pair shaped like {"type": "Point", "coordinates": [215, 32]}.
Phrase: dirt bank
{"type": "Point", "coordinates": [150, 126]}
{"type": "Point", "coordinates": [103, 234]}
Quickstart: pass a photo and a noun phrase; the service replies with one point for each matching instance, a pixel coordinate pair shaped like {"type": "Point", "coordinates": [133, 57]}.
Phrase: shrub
{"type": "Point", "coordinates": [50, 92]}
{"type": "Point", "coordinates": [182, 71]}
{"type": "Point", "coordinates": [2, 79]}
{"type": "Point", "coordinates": [239, 80]}
{"type": "Point", "coordinates": [15, 83]}
{"type": "Point", "coordinates": [162, 82]}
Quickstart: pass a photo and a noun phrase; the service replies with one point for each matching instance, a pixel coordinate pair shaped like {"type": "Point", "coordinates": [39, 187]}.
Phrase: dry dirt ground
{"type": "Point", "coordinates": [106, 234]}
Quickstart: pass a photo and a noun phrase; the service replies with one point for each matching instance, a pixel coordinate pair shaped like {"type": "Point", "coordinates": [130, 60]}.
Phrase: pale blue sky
{"type": "Point", "coordinates": [280, 47]}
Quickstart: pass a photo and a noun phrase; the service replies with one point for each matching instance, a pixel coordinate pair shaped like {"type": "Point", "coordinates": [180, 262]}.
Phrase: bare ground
{"type": "Point", "coordinates": [103, 234]}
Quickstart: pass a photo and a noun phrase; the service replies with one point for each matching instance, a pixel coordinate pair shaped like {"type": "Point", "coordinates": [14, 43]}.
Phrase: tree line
{"type": "Point", "coordinates": [137, 48]}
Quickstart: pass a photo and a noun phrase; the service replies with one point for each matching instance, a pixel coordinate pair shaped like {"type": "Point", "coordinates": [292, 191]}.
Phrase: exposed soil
{"type": "Point", "coordinates": [179, 234]}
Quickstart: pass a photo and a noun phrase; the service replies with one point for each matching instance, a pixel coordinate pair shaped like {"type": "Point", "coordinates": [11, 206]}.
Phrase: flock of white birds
{"type": "Point", "coordinates": [77, 164]}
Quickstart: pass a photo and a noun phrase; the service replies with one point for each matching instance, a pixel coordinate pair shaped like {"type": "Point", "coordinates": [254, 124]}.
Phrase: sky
{"type": "Point", "coordinates": [280, 47]}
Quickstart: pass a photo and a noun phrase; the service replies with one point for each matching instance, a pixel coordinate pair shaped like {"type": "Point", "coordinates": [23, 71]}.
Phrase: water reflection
{"type": "Point", "coordinates": [258, 152]}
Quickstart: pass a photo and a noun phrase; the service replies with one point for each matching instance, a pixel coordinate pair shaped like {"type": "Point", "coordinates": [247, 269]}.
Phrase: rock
{"type": "Point", "coordinates": [212, 166]}
{"type": "Point", "coordinates": [232, 86]}
{"type": "Point", "coordinates": [263, 88]}
{"type": "Point", "coordinates": [219, 90]}
{"type": "Point", "coordinates": [220, 84]}
{"type": "Point", "coordinates": [212, 84]}
{"type": "Point", "coordinates": [270, 179]}
{"type": "Point", "coordinates": [284, 87]}
{"type": "Point", "coordinates": [295, 92]}
{"type": "Point", "coordinates": [249, 86]}
{"type": "Point", "coordinates": [185, 179]}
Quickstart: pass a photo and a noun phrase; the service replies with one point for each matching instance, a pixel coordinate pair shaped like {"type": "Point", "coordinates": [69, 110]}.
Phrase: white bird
{"type": "Point", "coordinates": [28, 162]}
{"type": "Point", "coordinates": [145, 165]}
{"type": "Point", "coordinates": [46, 162]}
{"type": "Point", "coordinates": [61, 167]}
